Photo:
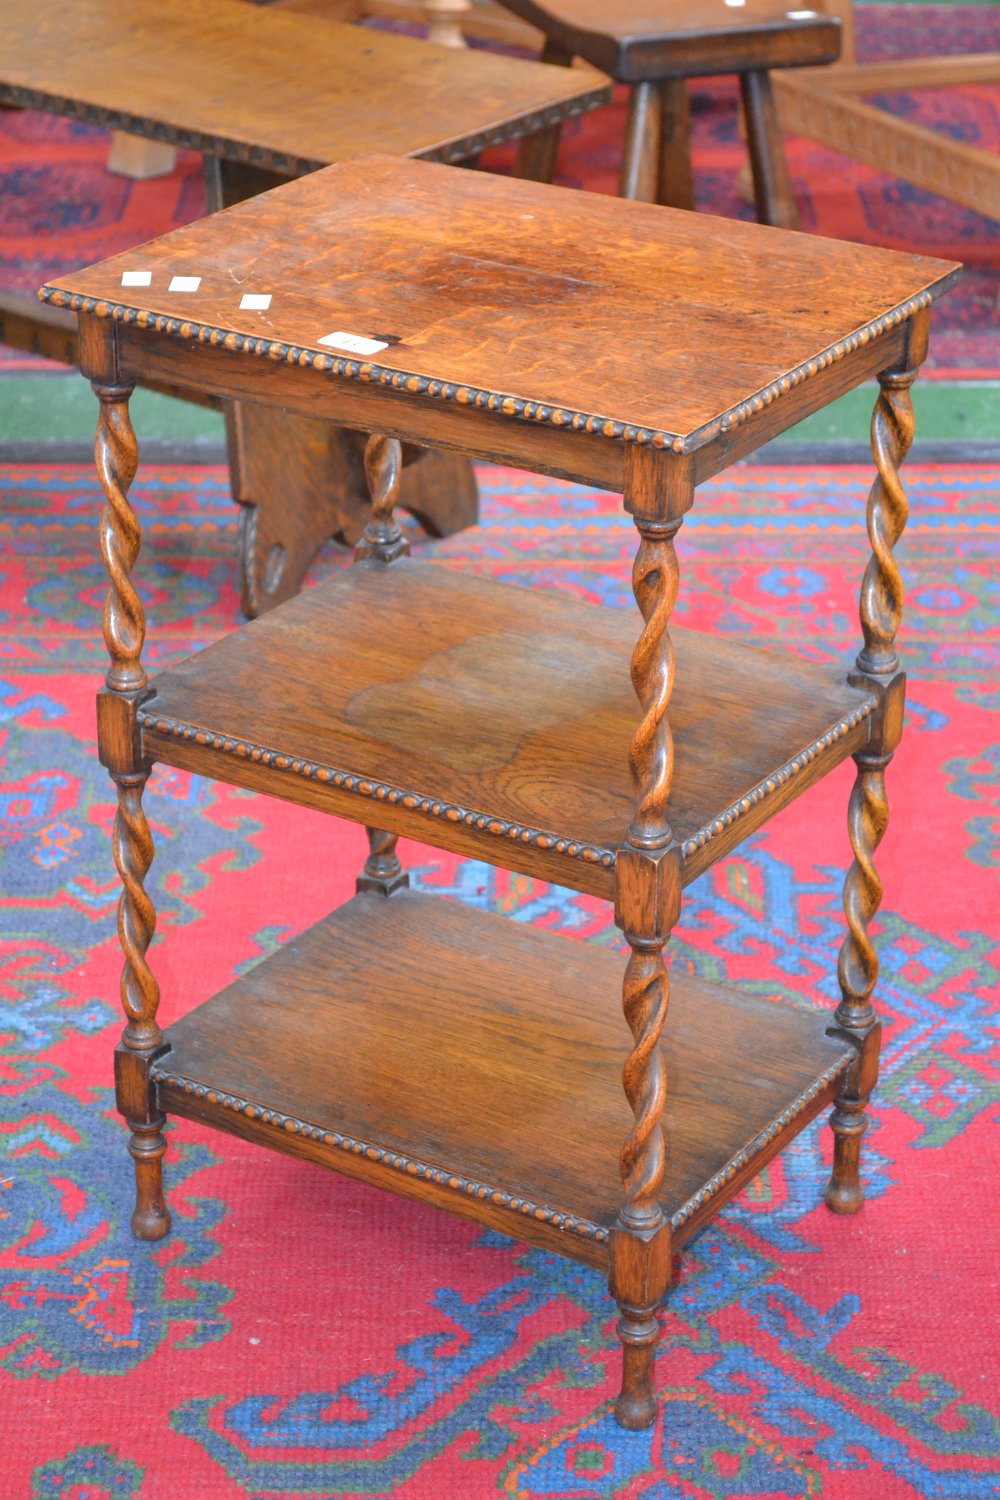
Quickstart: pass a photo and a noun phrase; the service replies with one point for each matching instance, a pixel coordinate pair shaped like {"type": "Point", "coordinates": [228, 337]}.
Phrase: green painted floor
{"type": "Point", "coordinates": [51, 414]}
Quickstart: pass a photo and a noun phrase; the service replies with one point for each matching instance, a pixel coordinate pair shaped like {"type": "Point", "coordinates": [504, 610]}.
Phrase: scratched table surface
{"type": "Point", "coordinates": [469, 287]}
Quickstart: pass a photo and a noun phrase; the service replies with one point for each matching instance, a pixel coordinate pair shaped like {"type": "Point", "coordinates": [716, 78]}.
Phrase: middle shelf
{"type": "Point", "coordinates": [495, 721]}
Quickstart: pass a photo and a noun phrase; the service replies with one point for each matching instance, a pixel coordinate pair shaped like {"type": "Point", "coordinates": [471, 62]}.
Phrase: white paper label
{"type": "Point", "coordinates": [255, 301]}
{"type": "Point", "coordinates": [137, 278]}
{"type": "Point", "coordinates": [351, 343]}
{"type": "Point", "coordinates": [184, 284]}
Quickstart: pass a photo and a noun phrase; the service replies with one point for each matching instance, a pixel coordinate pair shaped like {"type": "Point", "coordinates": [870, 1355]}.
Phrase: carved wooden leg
{"type": "Point", "coordinates": [125, 686]}
{"type": "Point", "coordinates": [382, 538]}
{"type": "Point", "coordinates": [675, 182]}
{"type": "Point", "coordinates": [640, 160]}
{"type": "Point", "coordinates": [382, 870]}
{"type": "Point", "coordinates": [140, 996]}
{"type": "Point", "coordinates": [647, 906]}
{"type": "Point", "coordinates": [536, 157]}
{"type": "Point", "coordinates": [772, 182]}
{"type": "Point", "coordinates": [383, 541]}
{"type": "Point", "coordinates": [868, 813]}
{"type": "Point", "coordinates": [640, 1244]}
{"type": "Point", "coordinates": [857, 971]}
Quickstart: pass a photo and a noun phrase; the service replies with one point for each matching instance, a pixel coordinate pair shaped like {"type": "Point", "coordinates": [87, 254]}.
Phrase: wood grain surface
{"type": "Point", "coordinates": [511, 704]}
{"type": "Point", "coordinates": [289, 92]}
{"type": "Point", "coordinates": [490, 1051]}
{"type": "Point", "coordinates": [558, 308]}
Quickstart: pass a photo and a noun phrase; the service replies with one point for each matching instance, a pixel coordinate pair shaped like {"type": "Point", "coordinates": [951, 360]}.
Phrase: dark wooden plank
{"type": "Point", "coordinates": [490, 1052]}
{"type": "Point", "coordinates": [505, 299]}
{"type": "Point", "coordinates": [27, 324]}
{"type": "Point", "coordinates": [284, 91]}
{"type": "Point", "coordinates": [503, 701]}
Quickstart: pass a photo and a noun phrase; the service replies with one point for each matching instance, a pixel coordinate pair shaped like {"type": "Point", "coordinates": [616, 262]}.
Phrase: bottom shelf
{"type": "Point", "coordinates": [475, 1062]}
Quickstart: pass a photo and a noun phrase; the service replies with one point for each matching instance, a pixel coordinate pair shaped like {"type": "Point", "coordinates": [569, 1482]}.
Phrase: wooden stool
{"type": "Point", "coordinates": [452, 1055]}
{"type": "Point", "coordinates": [266, 95]}
{"type": "Point", "coordinates": [656, 45]}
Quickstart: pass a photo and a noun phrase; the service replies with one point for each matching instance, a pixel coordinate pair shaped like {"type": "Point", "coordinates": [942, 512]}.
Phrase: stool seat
{"type": "Point", "coordinates": [649, 40]}
{"type": "Point", "coordinates": [656, 45]}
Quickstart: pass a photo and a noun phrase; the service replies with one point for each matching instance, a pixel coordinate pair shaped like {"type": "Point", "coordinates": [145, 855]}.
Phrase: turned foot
{"type": "Point", "coordinates": [640, 1275]}
{"type": "Point", "coordinates": [150, 1219]}
{"type": "Point", "coordinates": [638, 1331]}
{"type": "Point", "coordinates": [845, 1193]}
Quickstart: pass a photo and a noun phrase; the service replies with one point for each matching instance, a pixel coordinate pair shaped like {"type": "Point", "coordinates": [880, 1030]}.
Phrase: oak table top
{"type": "Point", "coordinates": [537, 308]}
{"type": "Point", "coordinates": [268, 86]}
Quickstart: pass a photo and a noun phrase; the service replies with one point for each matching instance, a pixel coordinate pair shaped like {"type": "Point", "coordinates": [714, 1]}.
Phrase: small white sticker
{"type": "Point", "coordinates": [351, 343]}
{"type": "Point", "coordinates": [735, 4]}
{"type": "Point", "coordinates": [801, 15]}
{"type": "Point", "coordinates": [137, 278]}
{"type": "Point", "coordinates": [184, 284]}
{"type": "Point", "coordinates": [255, 301]}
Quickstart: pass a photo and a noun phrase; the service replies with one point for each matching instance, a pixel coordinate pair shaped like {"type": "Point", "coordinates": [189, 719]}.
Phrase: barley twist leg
{"type": "Point", "coordinates": [116, 457]}
{"type": "Point", "coordinates": [382, 870]}
{"type": "Point", "coordinates": [645, 997]}
{"type": "Point", "coordinates": [133, 851]}
{"type": "Point", "coordinates": [140, 997]}
{"type": "Point", "coordinates": [648, 901]}
{"type": "Point", "coordinates": [882, 586]}
{"type": "Point", "coordinates": [383, 541]}
{"type": "Point", "coordinates": [655, 580]}
{"type": "Point", "coordinates": [642, 1236]}
{"type": "Point", "coordinates": [857, 972]}
{"type": "Point", "coordinates": [881, 609]}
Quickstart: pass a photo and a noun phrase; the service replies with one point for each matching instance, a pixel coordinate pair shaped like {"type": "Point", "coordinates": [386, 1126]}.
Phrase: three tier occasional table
{"type": "Point", "coordinates": [448, 1054]}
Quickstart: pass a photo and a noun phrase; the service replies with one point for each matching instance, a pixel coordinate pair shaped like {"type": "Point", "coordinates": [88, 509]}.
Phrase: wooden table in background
{"type": "Point", "coordinates": [267, 95]}
{"type": "Point", "coordinates": [430, 1048]}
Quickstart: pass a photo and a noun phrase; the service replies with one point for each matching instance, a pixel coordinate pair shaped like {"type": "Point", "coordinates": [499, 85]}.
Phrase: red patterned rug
{"type": "Point", "coordinates": [300, 1336]}
{"type": "Point", "coordinates": [59, 208]}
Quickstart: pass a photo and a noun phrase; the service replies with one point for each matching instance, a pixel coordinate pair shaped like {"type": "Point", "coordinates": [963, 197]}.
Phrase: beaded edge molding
{"type": "Point", "coordinates": [435, 807]}
{"type": "Point", "coordinates": [518, 407]}
{"type": "Point", "coordinates": [380, 791]}
{"type": "Point", "coordinates": [787, 772]}
{"type": "Point", "coordinates": [272, 160]}
{"type": "Point", "coordinates": [568, 1223]}
{"type": "Point", "coordinates": [386, 1158]}
{"type": "Point", "coordinates": [715, 1184]}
